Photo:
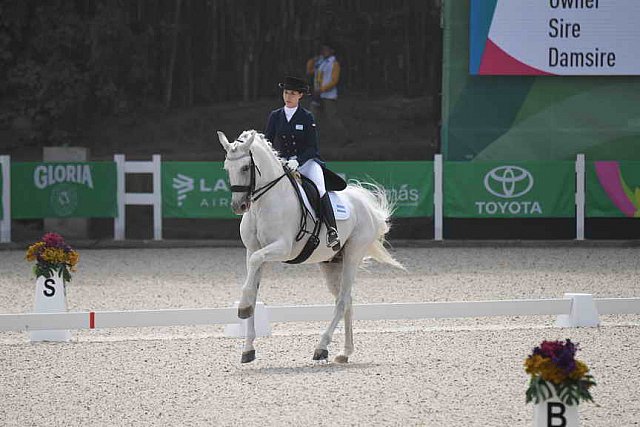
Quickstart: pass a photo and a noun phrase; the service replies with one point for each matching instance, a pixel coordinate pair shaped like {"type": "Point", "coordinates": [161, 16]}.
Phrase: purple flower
{"type": "Point", "coordinates": [53, 240]}
{"type": "Point", "coordinates": [562, 354]}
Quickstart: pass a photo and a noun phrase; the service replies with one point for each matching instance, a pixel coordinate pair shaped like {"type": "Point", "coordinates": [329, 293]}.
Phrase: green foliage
{"type": "Point", "coordinates": [47, 270]}
{"type": "Point", "coordinates": [570, 392]}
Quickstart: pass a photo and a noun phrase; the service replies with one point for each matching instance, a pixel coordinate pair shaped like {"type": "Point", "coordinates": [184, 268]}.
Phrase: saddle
{"type": "Point", "coordinates": [333, 182]}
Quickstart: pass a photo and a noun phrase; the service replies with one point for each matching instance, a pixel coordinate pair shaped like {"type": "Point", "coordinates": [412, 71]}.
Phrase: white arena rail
{"type": "Point", "coordinates": [567, 307]}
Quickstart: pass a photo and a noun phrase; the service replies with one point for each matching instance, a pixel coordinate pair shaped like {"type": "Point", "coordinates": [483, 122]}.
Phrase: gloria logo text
{"type": "Point", "coordinates": [47, 175]}
{"type": "Point", "coordinates": [508, 182]}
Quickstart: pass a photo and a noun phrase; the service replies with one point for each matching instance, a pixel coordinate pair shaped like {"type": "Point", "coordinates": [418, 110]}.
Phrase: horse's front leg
{"type": "Point", "coordinates": [249, 352]}
{"type": "Point", "coordinates": [276, 251]}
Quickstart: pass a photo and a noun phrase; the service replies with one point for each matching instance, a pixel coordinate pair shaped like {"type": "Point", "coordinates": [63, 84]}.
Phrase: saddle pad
{"type": "Point", "coordinates": [340, 209]}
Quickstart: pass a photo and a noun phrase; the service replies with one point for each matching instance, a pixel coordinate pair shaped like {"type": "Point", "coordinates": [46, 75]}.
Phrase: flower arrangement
{"type": "Point", "coordinates": [553, 364]}
{"type": "Point", "coordinates": [51, 254]}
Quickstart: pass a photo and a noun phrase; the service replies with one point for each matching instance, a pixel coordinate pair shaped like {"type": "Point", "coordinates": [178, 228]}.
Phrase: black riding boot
{"type": "Point", "coordinates": [333, 241]}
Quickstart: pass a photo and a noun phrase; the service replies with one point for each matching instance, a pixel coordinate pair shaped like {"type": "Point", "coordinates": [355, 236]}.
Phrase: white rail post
{"type": "Point", "coordinates": [583, 312]}
{"type": "Point", "coordinates": [580, 197]}
{"type": "Point", "coordinates": [157, 197]}
{"type": "Point", "coordinates": [119, 220]}
{"type": "Point", "coordinates": [5, 223]}
{"type": "Point", "coordinates": [154, 199]}
{"type": "Point", "coordinates": [261, 322]}
{"type": "Point", "coordinates": [437, 197]}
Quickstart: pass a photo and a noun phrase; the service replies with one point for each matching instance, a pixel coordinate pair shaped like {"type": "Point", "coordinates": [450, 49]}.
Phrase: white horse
{"type": "Point", "coordinates": [270, 223]}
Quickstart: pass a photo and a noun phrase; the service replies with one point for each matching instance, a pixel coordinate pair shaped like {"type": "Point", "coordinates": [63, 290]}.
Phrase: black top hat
{"type": "Point", "coordinates": [294, 83]}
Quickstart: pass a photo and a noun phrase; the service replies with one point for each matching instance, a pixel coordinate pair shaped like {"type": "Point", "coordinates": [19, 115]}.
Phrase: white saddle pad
{"type": "Point", "coordinates": [340, 209]}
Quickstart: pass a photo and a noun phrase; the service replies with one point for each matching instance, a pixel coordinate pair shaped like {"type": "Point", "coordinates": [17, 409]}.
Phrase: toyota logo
{"type": "Point", "coordinates": [508, 182]}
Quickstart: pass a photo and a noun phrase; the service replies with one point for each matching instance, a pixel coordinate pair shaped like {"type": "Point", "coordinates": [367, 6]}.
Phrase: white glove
{"type": "Point", "coordinates": [292, 164]}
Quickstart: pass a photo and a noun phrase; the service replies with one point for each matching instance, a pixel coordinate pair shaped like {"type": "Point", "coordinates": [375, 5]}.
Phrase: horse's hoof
{"type": "Point", "coordinates": [320, 354]}
{"type": "Point", "coordinates": [248, 356]}
{"type": "Point", "coordinates": [246, 312]}
{"type": "Point", "coordinates": [341, 358]}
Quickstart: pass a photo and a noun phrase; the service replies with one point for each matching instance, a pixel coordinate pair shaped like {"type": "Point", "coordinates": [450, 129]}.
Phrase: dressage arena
{"type": "Point", "coordinates": [434, 372]}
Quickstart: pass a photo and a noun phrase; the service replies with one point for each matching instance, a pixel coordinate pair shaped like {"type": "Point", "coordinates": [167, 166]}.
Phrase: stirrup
{"type": "Point", "coordinates": [333, 241]}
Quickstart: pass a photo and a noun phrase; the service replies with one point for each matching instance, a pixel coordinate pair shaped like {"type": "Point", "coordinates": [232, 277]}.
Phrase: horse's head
{"type": "Point", "coordinates": [241, 169]}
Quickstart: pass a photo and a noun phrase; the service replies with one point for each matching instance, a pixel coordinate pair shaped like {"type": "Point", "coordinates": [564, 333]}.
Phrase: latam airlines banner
{"type": "Point", "coordinates": [202, 190]}
{"type": "Point", "coordinates": [554, 37]}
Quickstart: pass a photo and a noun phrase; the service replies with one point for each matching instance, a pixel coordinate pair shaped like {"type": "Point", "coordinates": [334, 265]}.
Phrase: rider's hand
{"type": "Point", "coordinates": [292, 164]}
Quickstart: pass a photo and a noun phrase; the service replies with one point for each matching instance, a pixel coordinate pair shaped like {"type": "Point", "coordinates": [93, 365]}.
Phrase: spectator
{"type": "Point", "coordinates": [325, 70]}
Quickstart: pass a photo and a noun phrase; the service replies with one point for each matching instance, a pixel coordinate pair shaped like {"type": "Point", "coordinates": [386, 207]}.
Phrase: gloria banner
{"type": "Point", "coordinates": [63, 190]}
{"type": "Point", "coordinates": [201, 189]}
{"type": "Point", "coordinates": [554, 37]}
{"type": "Point", "coordinates": [613, 189]}
{"type": "Point", "coordinates": [509, 190]}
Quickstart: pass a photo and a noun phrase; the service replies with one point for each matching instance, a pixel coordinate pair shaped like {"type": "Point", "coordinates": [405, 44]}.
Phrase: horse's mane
{"type": "Point", "coordinates": [267, 144]}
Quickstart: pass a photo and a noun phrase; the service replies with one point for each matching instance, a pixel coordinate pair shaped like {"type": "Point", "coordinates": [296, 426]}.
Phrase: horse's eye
{"type": "Point", "coordinates": [245, 168]}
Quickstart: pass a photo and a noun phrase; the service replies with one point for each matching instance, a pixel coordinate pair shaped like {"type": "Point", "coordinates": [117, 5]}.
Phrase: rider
{"type": "Point", "coordinates": [292, 131]}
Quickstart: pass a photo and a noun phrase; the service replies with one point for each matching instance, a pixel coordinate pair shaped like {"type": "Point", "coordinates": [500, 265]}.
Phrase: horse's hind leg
{"type": "Point", "coordinates": [344, 282]}
{"type": "Point", "coordinates": [333, 276]}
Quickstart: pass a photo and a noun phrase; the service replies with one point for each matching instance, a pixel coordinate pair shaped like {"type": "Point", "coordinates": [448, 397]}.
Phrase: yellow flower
{"type": "Point", "coordinates": [550, 372]}
{"type": "Point", "coordinates": [544, 367]}
{"type": "Point", "coordinates": [53, 255]}
{"type": "Point", "coordinates": [580, 371]}
{"type": "Point", "coordinates": [33, 250]}
{"type": "Point", "coordinates": [532, 364]}
{"type": "Point", "coordinates": [73, 257]}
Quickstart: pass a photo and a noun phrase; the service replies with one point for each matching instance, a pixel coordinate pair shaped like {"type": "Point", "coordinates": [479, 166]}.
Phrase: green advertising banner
{"type": "Point", "coordinates": [509, 190]}
{"type": "Point", "coordinates": [409, 185]}
{"type": "Point", "coordinates": [63, 190]}
{"type": "Point", "coordinates": [613, 189]}
{"type": "Point", "coordinates": [201, 189]}
{"type": "Point", "coordinates": [195, 190]}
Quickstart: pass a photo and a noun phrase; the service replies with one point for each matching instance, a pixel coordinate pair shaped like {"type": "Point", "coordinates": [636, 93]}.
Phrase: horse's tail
{"type": "Point", "coordinates": [374, 196]}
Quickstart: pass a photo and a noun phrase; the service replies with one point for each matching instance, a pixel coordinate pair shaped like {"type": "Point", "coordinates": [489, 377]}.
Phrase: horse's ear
{"type": "Point", "coordinates": [224, 141]}
{"type": "Point", "coordinates": [248, 142]}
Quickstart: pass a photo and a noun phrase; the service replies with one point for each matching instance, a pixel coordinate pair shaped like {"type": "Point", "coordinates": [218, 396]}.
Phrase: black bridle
{"type": "Point", "coordinates": [252, 192]}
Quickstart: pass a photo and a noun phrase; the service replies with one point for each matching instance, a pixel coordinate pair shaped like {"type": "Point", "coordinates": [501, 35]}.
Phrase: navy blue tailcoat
{"type": "Point", "coordinates": [296, 138]}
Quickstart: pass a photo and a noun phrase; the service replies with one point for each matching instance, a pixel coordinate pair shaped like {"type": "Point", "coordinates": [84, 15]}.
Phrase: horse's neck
{"type": "Point", "coordinates": [269, 166]}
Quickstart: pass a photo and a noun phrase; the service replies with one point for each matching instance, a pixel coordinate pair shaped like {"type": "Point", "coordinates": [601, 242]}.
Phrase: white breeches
{"type": "Point", "coordinates": [312, 170]}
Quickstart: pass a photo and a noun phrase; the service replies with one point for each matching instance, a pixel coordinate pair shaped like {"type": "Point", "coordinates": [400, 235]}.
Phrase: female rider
{"type": "Point", "coordinates": [292, 132]}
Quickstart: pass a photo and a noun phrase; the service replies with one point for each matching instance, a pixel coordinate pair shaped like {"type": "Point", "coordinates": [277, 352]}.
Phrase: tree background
{"type": "Point", "coordinates": [143, 76]}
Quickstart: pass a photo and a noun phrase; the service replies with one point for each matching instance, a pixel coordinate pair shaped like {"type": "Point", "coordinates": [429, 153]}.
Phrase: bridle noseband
{"type": "Point", "coordinates": [252, 179]}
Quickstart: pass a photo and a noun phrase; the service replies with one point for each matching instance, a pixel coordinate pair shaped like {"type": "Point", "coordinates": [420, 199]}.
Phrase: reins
{"type": "Point", "coordinates": [257, 193]}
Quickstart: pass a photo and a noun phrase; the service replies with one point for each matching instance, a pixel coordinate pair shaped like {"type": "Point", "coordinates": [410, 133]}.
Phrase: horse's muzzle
{"type": "Point", "coordinates": [240, 207]}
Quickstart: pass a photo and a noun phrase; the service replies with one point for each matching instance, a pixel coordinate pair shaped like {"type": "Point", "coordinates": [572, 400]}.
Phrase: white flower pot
{"type": "Point", "coordinates": [554, 413]}
{"type": "Point", "coordinates": [50, 297]}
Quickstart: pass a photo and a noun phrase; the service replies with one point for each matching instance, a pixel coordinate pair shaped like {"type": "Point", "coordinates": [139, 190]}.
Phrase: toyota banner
{"type": "Point", "coordinates": [202, 189]}
{"type": "Point", "coordinates": [509, 190]}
